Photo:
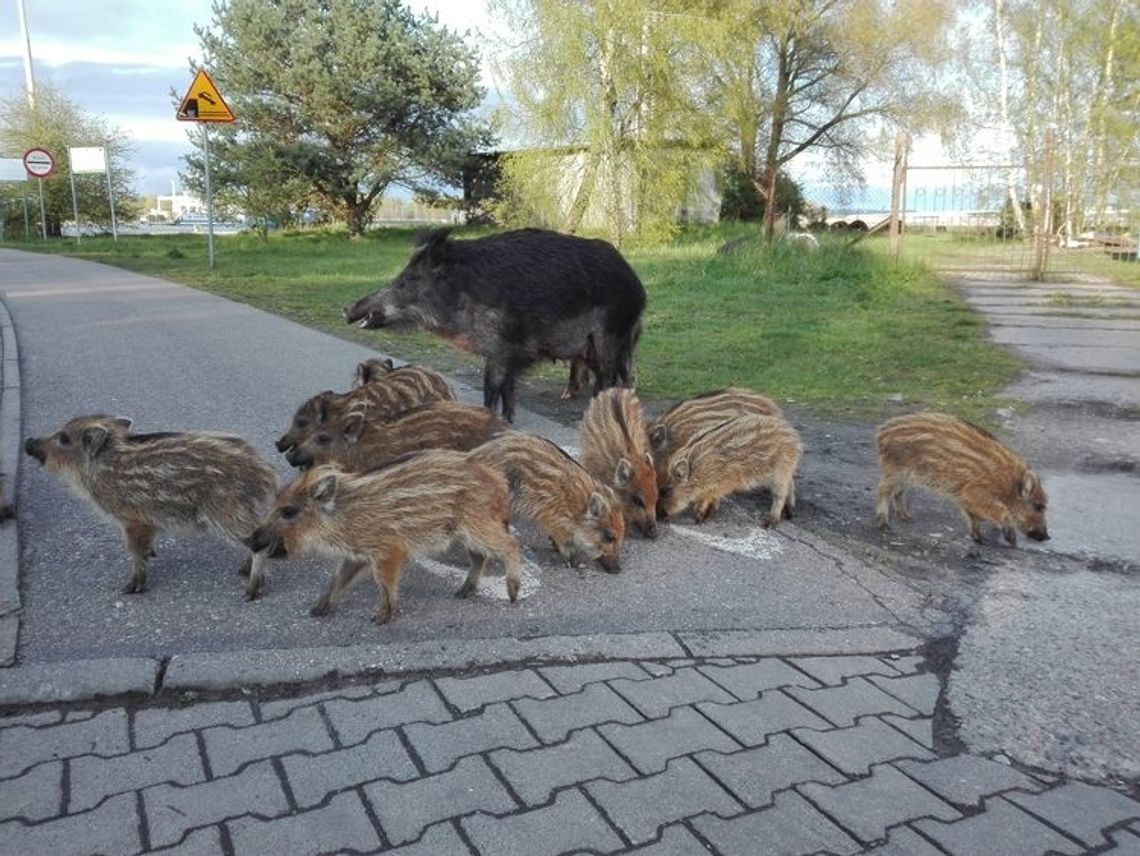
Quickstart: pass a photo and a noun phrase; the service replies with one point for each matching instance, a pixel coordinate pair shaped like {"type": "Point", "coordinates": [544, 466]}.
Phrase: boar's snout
{"type": "Point", "coordinates": [611, 564]}
{"type": "Point", "coordinates": [35, 448]}
{"type": "Point", "coordinates": [298, 458]}
{"type": "Point", "coordinates": [364, 315]}
{"type": "Point", "coordinates": [261, 540]}
{"type": "Point", "coordinates": [1038, 534]}
{"type": "Point", "coordinates": [648, 528]}
{"type": "Point", "coordinates": [285, 443]}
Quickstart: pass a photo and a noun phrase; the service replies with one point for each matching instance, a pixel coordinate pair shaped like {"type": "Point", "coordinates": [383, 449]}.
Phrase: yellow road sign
{"type": "Point", "coordinates": [203, 102]}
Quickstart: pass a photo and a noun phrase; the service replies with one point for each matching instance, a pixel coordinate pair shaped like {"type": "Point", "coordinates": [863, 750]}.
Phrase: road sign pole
{"type": "Point", "coordinates": [27, 228]}
{"type": "Point", "coordinates": [75, 208]}
{"type": "Point", "coordinates": [43, 216]}
{"type": "Point", "coordinates": [209, 199]}
{"type": "Point", "coordinates": [111, 198]}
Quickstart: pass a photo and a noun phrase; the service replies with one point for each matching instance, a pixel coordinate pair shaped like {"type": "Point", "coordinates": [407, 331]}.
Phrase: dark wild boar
{"type": "Point", "coordinates": [384, 395]}
{"type": "Point", "coordinates": [963, 462]}
{"type": "Point", "coordinates": [357, 441]}
{"type": "Point", "coordinates": [582, 518]}
{"type": "Point", "coordinates": [170, 482]}
{"type": "Point", "coordinates": [419, 505]}
{"type": "Point", "coordinates": [514, 298]}
{"type": "Point", "coordinates": [744, 453]}
{"type": "Point", "coordinates": [615, 451]}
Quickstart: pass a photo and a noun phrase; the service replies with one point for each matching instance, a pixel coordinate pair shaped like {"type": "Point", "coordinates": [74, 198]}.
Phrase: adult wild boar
{"type": "Point", "coordinates": [515, 298]}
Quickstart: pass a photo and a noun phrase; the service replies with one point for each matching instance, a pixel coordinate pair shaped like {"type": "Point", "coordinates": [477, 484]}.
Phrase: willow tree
{"type": "Point", "coordinates": [604, 116]}
{"type": "Point", "coordinates": [350, 96]}
{"type": "Point", "coordinates": [56, 123]}
{"type": "Point", "coordinates": [788, 77]}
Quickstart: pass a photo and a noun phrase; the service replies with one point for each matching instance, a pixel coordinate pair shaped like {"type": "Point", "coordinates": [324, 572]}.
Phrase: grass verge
{"type": "Point", "coordinates": [838, 330]}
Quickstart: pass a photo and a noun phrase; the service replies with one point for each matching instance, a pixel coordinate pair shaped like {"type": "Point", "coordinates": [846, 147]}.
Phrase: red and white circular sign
{"type": "Point", "coordinates": [39, 163]}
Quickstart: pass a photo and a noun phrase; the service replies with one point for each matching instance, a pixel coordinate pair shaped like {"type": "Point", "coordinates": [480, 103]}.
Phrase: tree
{"type": "Point", "coordinates": [606, 114]}
{"type": "Point", "coordinates": [351, 96]}
{"type": "Point", "coordinates": [793, 76]}
{"type": "Point", "coordinates": [1075, 67]}
{"type": "Point", "coordinates": [740, 200]}
{"type": "Point", "coordinates": [250, 177]}
{"type": "Point", "coordinates": [57, 123]}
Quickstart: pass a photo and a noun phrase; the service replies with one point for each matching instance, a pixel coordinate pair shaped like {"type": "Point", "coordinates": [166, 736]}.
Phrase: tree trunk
{"type": "Point", "coordinates": [355, 215]}
{"type": "Point", "coordinates": [1007, 128]}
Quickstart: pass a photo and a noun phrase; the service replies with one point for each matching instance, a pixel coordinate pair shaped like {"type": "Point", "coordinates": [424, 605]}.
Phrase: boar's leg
{"type": "Point", "coordinates": [349, 572]}
{"type": "Point", "coordinates": [891, 493]}
{"type": "Point", "coordinates": [386, 569]}
{"type": "Point", "coordinates": [491, 536]}
{"type": "Point", "coordinates": [478, 565]}
{"type": "Point", "coordinates": [1009, 532]}
{"type": "Point", "coordinates": [703, 509]}
{"type": "Point", "coordinates": [499, 379]}
{"type": "Point", "coordinates": [579, 377]}
{"type": "Point", "coordinates": [257, 565]}
{"type": "Point", "coordinates": [140, 541]}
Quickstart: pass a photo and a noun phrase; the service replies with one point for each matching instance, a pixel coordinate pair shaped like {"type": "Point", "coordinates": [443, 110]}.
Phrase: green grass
{"type": "Point", "coordinates": [838, 329]}
{"type": "Point", "coordinates": [962, 251]}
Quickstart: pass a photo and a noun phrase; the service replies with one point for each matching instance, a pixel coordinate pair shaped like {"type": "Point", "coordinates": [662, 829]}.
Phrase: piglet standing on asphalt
{"type": "Point", "coordinates": [515, 298]}
{"type": "Point", "coordinates": [169, 482]}
{"type": "Point", "coordinates": [965, 463]}
{"type": "Point", "coordinates": [741, 454]}
{"type": "Point", "coordinates": [615, 451]}
{"type": "Point", "coordinates": [692, 416]}
{"type": "Point", "coordinates": [419, 505]}
{"type": "Point", "coordinates": [380, 389]}
{"type": "Point", "coordinates": [359, 440]}
{"type": "Point", "coordinates": [582, 517]}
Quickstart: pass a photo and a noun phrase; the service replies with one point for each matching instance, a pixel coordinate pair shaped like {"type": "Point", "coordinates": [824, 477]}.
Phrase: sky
{"type": "Point", "coordinates": [120, 59]}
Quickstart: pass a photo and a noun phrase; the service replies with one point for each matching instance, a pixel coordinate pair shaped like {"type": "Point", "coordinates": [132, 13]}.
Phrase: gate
{"type": "Point", "coordinates": [1016, 221]}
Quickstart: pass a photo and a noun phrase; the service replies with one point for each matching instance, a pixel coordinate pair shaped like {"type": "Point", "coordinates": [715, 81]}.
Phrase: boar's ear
{"type": "Point", "coordinates": [324, 492]}
{"type": "Point", "coordinates": [94, 439]}
{"type": "Point", "coordinates": [353, 426]}
{"type": "Point", "coordinates": [430, 246]}
{"type": "Point", "coordinates": [323, 399]}
{"type": "Point", "coordinates": [122, 422]}
{"type": "Point", "coordinates": [596, 506]}
{"type": "Point", "coordinates": [680, 470]}
{"type": "Point", "coordinates": [1030, 484]}
{"type": "Point", "coordinates": [363, 373]}
{"type": "Point", "coordinates": [623, 474]}
{"type": "Point", "coordinates": [658, 437]}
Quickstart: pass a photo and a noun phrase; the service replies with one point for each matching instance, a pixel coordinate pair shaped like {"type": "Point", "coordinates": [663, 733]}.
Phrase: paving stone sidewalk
{"type": "Point", "coordinates": [776, 755]}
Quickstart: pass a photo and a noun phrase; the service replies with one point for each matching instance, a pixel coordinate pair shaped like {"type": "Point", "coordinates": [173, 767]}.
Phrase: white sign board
{"type": "Point", "coordinates": [88, 159]}
{"type": "Point", "coordinates": [12, 169]}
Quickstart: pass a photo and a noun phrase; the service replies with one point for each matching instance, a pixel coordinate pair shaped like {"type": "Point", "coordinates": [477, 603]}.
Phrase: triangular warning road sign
{"type": "Point", "coordinates": [203, 102]}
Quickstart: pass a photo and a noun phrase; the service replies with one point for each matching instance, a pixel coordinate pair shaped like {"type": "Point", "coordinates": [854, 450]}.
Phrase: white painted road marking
{"type": "Point", "coordinates": [755, 544]}
{"type": "Point", "coordinates": [494, 582]}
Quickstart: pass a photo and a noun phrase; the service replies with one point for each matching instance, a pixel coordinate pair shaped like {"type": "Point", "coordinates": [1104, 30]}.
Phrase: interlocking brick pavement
{"type": "Point", "coordinates": [772, 755]}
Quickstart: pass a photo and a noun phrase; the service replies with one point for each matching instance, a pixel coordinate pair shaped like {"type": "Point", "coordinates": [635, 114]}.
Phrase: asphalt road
{"type": "Point", "coordinates": [94, 339]}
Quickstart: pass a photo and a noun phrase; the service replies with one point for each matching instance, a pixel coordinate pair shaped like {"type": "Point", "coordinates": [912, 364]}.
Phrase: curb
{"type": "Point", "coordinates": [9, 466]}
{"type": "Point", "coordinates": [83, 680]}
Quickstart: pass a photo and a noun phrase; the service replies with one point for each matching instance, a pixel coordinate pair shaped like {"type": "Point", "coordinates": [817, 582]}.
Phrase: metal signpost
{"type": "Point", "coordinates": [91, 159]}
{"type": "Point", "coordinates": [40, 165]}
{"type": "Point", "coordinates": [203, 103]}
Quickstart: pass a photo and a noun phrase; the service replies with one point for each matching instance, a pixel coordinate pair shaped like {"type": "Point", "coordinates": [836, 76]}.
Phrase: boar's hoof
{"type": "Point", "coordinates": [134, 586]}
{"type": "Point", "coordinates": [254, 589]}
{"type": "Point", "coordinates": [7, 512]}
{"type": "Point", "coordinates": [1010, 535]}
{"type": "Point", "coordinates": [513, 590]}
{"type": "Point", "coordinates": [466, 589]}
{"type": "Point", "coordinates": [320, 608]}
